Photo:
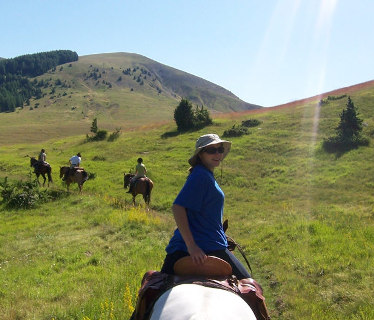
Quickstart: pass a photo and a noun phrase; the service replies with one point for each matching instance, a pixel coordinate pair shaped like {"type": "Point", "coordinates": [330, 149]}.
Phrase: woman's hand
{"type": "Point", "coordinates": [198, 256]}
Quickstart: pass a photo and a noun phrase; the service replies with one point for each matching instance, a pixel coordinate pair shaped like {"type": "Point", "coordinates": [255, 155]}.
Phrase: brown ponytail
{"type": "Point", "coordinates": [197, 162]}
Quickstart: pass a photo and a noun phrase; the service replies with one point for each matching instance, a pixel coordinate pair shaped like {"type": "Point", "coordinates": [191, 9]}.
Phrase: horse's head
{"type": "Point", "coordinates": [32, 161]}
{"type": "Point", "coordinates": [62, 171]}
{"type": "Point", "coordinates": [126, 179]}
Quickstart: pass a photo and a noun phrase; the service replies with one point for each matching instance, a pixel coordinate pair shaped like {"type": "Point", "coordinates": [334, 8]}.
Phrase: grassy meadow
{"type": "Point", "coordinates": [304, 217]}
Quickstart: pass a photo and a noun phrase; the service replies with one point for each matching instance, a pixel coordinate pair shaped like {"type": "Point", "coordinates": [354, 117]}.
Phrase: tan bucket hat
{"type": "Point", "coordinates": [207, 140]}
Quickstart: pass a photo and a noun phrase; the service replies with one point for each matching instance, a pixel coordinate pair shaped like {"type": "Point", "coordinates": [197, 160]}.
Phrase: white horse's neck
{"type": "Point", "coordinates": [191, 301]}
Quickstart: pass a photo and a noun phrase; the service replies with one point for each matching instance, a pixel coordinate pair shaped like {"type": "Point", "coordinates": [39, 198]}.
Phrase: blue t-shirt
{"type": "Point", "coordinates": [203, 199]}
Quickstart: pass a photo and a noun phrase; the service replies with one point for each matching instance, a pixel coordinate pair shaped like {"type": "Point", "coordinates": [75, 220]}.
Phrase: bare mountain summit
{"type": "Point", "coordinates": [141, 73]}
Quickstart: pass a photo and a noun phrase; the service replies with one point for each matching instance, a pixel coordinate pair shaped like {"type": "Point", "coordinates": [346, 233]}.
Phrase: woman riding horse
{"type": "Point", "coordinates": [142, 186]}
{"type": "Point", "coordinates": [140, 171]}
{"type": "Point", "coordinates": [41, 168]}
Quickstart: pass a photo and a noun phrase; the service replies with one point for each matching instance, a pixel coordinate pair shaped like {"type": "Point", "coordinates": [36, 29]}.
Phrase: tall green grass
{"type": "Point", "coordinates": [304, 218]}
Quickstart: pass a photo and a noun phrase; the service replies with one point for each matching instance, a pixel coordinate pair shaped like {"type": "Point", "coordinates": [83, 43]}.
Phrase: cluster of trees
{"type": "Point", "coordinates": [128, 71]}
{"type": "Point", "coordinates": [348, 132]}
{"type": "Point", "coordinates": [15, 87]}
{"type": "Point", "coordinates": [239, 130]}
{"type": "Point", "coordinates": [14, 91]}
{"type": "Point", "coordinates": [32, 65]}
{"type": "Point", "coordinates": [331, 98]}
{"type": "Point", "coordinates": [188, 118]}
{"type": "Point", "coordinates": [99, 135]}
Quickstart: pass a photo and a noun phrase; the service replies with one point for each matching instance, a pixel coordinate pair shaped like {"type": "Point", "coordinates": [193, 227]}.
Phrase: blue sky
{"type": "Point", "coordinates": [266, 52]}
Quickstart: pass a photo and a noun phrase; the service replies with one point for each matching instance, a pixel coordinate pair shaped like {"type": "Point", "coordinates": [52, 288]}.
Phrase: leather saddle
{"type": "Point", "coordinates": [155, 283]}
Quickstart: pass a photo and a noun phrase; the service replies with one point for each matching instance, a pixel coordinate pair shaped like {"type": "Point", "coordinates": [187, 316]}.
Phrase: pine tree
{"type": "Point", "coordinates": [350, 126]}
{"type": "Point", "coordinates": [94, 126]}
{"type": "Point", "coordinates": [348, 131]}
{"type": "Point", "coordinates": [184, 116]}
{"type": "Point", "coordinates": [201, 118]}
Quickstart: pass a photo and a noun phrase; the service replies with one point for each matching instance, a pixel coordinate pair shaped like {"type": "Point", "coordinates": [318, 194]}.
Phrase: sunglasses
{"type": "Point", "coordinates": [213, 150]}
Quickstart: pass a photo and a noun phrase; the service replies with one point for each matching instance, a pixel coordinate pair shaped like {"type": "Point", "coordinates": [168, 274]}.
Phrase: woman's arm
{"type": "Point", "coordinates": [180, 215]}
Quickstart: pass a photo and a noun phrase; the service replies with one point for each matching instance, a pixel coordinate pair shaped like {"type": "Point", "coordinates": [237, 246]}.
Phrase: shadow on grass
{"type": "Point", "coordinates": [176, 132]}
{"type": "Point", "coordinates": [170, 134]}
{"type": "Point", "coordinates": [339, 148]}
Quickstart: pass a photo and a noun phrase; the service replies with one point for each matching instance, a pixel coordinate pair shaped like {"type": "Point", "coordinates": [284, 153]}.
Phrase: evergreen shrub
{"type": "Point", "coordinates": [186, 118]}
{"type": "Point", "coordinates": [251, 123]}
{"type": "Point", "coordinates": [348, 133]}
{"type": "Point", "coordinates": [114, 135]}
{"type": "Point", "coordinates": [235, 131]}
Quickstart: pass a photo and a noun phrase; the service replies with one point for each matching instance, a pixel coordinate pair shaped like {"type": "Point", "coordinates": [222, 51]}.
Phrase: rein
{"type": "Point", "coordinates": [233, 244]}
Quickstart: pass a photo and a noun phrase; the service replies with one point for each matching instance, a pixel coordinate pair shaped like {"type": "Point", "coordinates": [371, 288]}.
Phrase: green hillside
{"type": "Point", "coordinates": [147, 75]}
{"type": "Point", "coordinates": [122, 90]}
{"type": "Point", "coordinates": [303, 217]}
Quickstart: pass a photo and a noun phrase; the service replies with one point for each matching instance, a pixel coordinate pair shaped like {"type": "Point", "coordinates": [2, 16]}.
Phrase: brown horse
{"type": "Point", "coordinates": [142, 186]}
{"type": "Point", "coordinates": [41, 168]}
{"type": "Point", "coordinates": [79, 176]}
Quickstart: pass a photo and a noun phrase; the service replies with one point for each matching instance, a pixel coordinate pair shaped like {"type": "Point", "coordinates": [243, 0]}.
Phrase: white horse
{"type": "Point", "coordinates": [199, 292]}
{"type": "Point", "coordinates": [193, 301]}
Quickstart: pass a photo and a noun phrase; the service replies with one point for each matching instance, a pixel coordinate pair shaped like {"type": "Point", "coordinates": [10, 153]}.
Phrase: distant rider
{"type": "Point", "coordinates": [140, 171]}
{"type": "Point", "coordinates": [42, 157]}
{"type": "Point", "coordinates": [75, 162]}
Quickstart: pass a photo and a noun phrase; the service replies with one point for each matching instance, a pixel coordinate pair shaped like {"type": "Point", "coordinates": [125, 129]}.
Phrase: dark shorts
{"type": "Point", "coordinates": [237, 267]}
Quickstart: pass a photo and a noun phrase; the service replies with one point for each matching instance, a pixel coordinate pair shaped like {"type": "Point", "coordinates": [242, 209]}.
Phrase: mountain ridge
{"type": "Point", "coordinates": [177, 83]}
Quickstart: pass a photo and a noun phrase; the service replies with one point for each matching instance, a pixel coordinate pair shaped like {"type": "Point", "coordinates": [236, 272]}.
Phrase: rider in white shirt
{"type": "Point", "coordinates": [75, 162]}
